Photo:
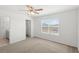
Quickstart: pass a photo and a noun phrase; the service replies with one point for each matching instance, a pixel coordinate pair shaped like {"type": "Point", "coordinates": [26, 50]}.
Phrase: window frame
{"type": "Point", "coordinates": [48, 28]}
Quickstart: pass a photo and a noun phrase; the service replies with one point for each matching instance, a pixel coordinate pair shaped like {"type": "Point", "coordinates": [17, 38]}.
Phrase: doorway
{"type": "Point", "coordinates": [28, 28]}
{"type": "Point", "coordinates": [4, 30]}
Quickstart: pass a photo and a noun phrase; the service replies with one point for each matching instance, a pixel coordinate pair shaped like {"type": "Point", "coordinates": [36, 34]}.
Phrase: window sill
{"type": "Point", "coordinates": [57, 34]}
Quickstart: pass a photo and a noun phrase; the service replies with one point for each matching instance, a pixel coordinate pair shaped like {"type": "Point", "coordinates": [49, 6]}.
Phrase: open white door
{"type": "Point", "coordinates": [4, 27]}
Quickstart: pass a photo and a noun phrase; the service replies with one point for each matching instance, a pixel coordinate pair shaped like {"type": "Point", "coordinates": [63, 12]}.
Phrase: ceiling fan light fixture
{"type": "Point", "coordinates": [32, 11]}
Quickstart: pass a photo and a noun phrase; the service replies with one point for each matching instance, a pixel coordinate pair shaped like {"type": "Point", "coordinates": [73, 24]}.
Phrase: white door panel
{"type": "Point", "coordinates": [4, 26]}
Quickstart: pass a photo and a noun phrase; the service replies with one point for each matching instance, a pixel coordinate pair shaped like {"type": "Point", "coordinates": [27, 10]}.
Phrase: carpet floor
{"type": "Point", "coordinates": [3, 42]}
{"type": "Point", "coordinates": [37, 45]}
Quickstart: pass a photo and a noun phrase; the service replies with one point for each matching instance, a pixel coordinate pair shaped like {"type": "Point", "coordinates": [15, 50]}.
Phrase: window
{"type": "Point", "coordinates": [50, 26]}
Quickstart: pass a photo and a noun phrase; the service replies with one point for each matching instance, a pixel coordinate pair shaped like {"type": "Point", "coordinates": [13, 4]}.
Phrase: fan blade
{"type": "Point", "coordinates": [38, 9]}
{"type": "Point", "coordinates": [35, 12]}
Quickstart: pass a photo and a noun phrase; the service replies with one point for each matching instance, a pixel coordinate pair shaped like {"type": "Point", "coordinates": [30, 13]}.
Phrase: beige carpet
{"type": "Point", "coordinates": [37, 45]}
{"type": "Point", "coordinates": [3, 42]}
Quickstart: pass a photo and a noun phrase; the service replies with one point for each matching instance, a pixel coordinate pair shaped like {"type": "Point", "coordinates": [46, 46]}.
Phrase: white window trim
{"type": "Point", "coordinates": [57, 34]}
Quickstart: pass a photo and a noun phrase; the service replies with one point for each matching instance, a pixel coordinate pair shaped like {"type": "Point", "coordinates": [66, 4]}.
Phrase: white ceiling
{"type": "Point", "coordinates": [13, 8]}
{"type": "Point", "coordinates": [47, 9]}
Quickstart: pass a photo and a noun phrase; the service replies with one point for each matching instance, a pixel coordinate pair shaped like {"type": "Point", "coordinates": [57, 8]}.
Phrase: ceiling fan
{"type": "Point", "coordinates": [31, 10]}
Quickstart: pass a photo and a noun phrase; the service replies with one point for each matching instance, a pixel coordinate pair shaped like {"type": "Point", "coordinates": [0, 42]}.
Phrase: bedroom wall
{"type": "Point", "coordinates": [17, 26]}
{"type": "Point", "coordinates": [68, 28]}
{"type": "Point", "coordinates": [78, 29]}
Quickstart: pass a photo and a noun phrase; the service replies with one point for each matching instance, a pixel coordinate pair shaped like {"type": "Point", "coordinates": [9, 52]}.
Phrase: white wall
{"type": "Point", "coordinates": [78, 29]}
{"type": "Point", "coordinates": [68, 26]}
{"type": "Point", "coordinates": [17, 25]}
{"type": "Point", "coordinates": [17, 28]}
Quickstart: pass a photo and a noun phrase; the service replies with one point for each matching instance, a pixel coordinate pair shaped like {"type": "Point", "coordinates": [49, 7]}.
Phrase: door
{"type": "Point", "coordinates": [4, 27]}
{"type": "Point", "coordinates": [28, 28]}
